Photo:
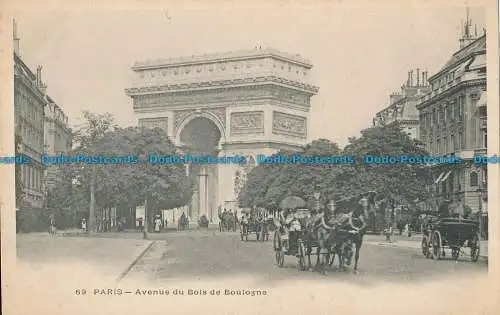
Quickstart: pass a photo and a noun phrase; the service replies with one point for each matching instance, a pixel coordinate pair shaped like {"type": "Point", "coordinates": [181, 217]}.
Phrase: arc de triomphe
{"type": "Point", "coordinates": [226, 104]}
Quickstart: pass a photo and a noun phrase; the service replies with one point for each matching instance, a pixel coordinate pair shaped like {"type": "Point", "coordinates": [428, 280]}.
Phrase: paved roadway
{"type": "Point", "coordinates": [210, 255]}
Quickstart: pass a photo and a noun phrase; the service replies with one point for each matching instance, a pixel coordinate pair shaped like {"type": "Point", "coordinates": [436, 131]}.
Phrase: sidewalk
{"type": "Point", "coordinates": [92, 256]}
{"type": "Point", "coordinates": [402, 241]}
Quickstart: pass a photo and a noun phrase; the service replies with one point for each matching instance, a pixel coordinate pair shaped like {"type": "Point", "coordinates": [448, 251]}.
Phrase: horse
{"type": "Point", "coordinates": [183, 223]}
{"type": "Point", "coordinates": [358, 220]}
{"type": "Point", "coordinates": [52, 230]}
{"type": "Point", "coordinates": [52, 226]}
{"type": "Point", "coordinates": [227, 222]}
{"type": "Point", "coordinates": [311, 240]}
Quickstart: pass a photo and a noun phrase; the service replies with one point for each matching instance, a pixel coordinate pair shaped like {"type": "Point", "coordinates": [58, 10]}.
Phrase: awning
{"type": "Point", "coordinates": [461, 68]}
{"type": "Point", "coordinates": [482, 100]}
{"type": "Point", "coordinates": [479, 62]}
{"type": "Point", "coordinates": [439, 178]}
{"type": "Point", "coordinates": [445, 177]}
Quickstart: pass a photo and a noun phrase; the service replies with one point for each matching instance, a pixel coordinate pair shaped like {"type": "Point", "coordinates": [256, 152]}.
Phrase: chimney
{"type": "Point", "coordinates": [15, 38]}
{"type": "Point", "coordinates": [39, 82]}
{"type": "Point", "coordinates": [411, 78]}
{"type": "Point", "coordinates": [418, 77]}
{"type": "Point", "coordinates": [408, 82]}
{"type": "Point", "coordinates": [38, 75]}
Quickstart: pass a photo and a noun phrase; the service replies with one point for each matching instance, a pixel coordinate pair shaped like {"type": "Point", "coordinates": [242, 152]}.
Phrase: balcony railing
{"type": "Point", "coordinates": [483, 123]}
{"type": "Point", "coordinates": [449, 85]}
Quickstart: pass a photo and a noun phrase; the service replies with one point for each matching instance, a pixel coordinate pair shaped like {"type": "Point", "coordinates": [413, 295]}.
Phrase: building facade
{"type": "Point", "coordinates": [453, 122]}
{"type": "Point", "coordinates": [29, 115]}
{"type": "Point", "coordinates": [40, 125]}
{"type": "Point", "coordinates": [402, 105]}
{"type": "Point", "coordinates": [241, 103]}
{"type": "Point", "coordinates": [57, 139]}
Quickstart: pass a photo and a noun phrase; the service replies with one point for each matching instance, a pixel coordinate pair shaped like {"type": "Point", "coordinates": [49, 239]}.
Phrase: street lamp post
{"type": "Point", "coordinates": [480, 211]}
{"type": "Point", "coordinates": [331, 206]}
{"type": "Point", "coordinates": [316, 196]}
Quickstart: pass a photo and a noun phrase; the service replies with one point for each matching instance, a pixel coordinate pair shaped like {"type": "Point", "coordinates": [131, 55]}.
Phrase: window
{"type": "Point", "coordinates": [454, 143]}
{"type": "Point", "coordinates": [461, 107]}
{"type": "Point", "coordinates": [485, 140]}
{"type": "Point", "coordinates": [474, 179]}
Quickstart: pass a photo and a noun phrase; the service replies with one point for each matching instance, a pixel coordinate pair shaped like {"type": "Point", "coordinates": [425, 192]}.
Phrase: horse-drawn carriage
{"type": "Point", "coordinates": [254, 222]}
{"type": "Point", "coordinates": [203, 222]}
{"type": "Point", "coordinates": [292, 243]}
{"type": "Point", "coordinates": [325, 239]}
{"type": "Point", "coordinates": [183, 223]}
{"type": "Point", "coordinates": [227, 222]}
{"type": "Point", "coordinates": [452, 233]}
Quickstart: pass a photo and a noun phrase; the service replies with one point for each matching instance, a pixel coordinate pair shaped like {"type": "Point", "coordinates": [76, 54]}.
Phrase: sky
{"type": "Point", "coordinates": [360, 54]}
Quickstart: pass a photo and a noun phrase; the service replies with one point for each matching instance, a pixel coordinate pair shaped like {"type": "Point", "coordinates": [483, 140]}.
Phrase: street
{"type": "Point", "coordinates": [391, 279]}
{"type": "Point", "coordinates": [202, 255]}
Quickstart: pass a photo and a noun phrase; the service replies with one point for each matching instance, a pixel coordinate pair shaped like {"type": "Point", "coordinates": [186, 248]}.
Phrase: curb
{"type": "Point", "coordinates": [126, 271]}
{"type": "Point", "coordinates": [394, 245]}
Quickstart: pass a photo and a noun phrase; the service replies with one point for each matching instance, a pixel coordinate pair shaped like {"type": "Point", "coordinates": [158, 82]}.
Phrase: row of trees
{"type": "Point", "coordinates": [93, 186]}
{"type": "Point", "coordinates": [267, 185]}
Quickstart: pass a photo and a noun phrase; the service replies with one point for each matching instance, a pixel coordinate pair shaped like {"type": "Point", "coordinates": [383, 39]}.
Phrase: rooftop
{"type": "Point", "coordinates": [224, 56]}
{"type": "Point", "coordinates": [477, 46]}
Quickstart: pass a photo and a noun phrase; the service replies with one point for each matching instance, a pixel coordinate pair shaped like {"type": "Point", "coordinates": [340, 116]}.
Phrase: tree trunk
{"type": "Point", "coordinates": [92, 222]}
{"type": "Point", "coordinates": [146, 219]}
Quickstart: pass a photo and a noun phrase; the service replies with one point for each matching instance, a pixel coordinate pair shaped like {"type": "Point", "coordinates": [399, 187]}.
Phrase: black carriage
{"type": "Point", "coordinates": [451, 233]}
{"type": "Point", "coordinates": [203, 222]}
{"type": "Point", "coordinates": [255, 224]}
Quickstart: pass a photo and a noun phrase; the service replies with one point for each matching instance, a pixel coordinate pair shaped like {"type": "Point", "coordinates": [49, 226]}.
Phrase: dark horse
{"type": "Point", "coordinates": [183, 223]}
{"type": "Point", "coordinates": [359, 215]}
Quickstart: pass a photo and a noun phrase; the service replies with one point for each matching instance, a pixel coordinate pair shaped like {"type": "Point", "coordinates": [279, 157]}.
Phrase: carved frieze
{"type": "Point", "coordinates": [156, 122]}
{"type": "Point", "coordinates": [181, 115]}
{"type": "Point", "coordinates": [289, 125]}
{"type": "Point", "coordinates": [247, 122]}
{"type": "Point", "coordinates": [223, 95]}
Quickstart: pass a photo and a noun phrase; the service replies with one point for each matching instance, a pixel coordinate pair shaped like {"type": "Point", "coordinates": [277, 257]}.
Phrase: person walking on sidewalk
{"type": "Point", "coordinates": [84, 225]}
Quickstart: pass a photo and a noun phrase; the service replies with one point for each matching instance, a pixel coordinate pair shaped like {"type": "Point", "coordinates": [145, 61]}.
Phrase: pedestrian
{"type": "Point", "coordinates": [84, 225]}
{"type": "Point", "coordinates": [157, 225]}
{"type": "Point", "coordinates": [166, 224]}
{"type": "Point", "coordinates": [52, 225]}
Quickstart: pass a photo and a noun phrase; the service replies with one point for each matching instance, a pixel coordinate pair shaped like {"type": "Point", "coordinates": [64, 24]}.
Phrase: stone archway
{"type": "Point", "coordinates": [199, 136]}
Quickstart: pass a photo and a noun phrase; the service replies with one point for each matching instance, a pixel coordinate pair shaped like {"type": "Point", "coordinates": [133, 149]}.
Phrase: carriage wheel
{"type": "Point", "coordinates": [301, 257]}
{"type": "Point", "coordinates": [436, 246]}
{"type": "Point", "coordinates": [280, 258]}
{"type": "Point", "coordinates": [475, 248]}
{"type": "Point", "coordinates": [455, 253]}
{"type": "Point", "coordinates": [425, 247]}
{"type": "Point", "coordinates": [277, 241]}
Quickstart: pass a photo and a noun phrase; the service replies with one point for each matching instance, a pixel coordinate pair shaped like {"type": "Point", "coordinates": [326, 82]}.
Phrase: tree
{"type": "Point", "coordinates": [401, 181]}
{"type": "Point", "coordinates": [95, 126]}
{"type": "Point", "coordinates": [157, 186]}
{"type": "Point", "coordinates": [269, 184]}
